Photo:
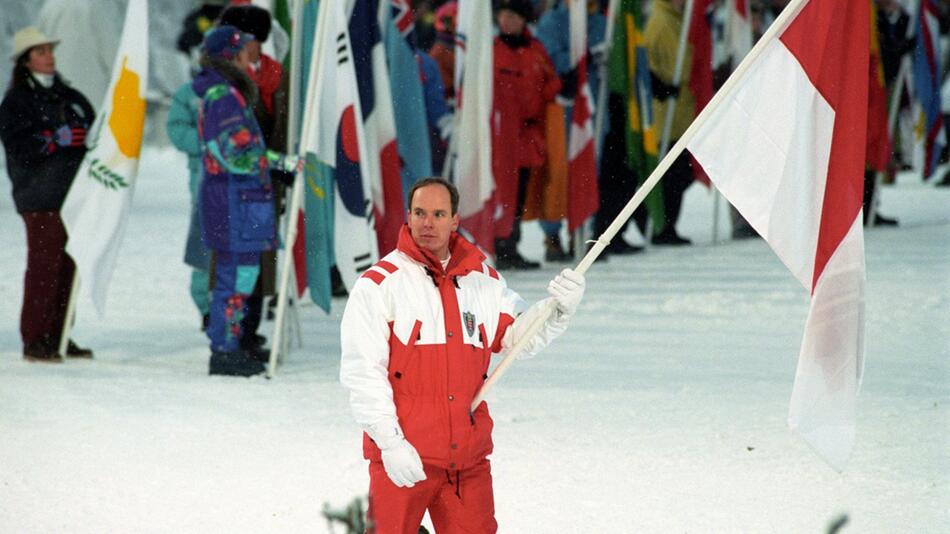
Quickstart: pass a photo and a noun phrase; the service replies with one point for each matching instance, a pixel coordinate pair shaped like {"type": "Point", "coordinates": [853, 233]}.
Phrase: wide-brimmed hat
{"type": "Point", "coordinates": [27, 38]}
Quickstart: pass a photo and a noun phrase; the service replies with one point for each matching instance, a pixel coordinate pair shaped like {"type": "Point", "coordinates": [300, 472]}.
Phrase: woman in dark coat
{"type": "Point", "coordinates": [43, 125]}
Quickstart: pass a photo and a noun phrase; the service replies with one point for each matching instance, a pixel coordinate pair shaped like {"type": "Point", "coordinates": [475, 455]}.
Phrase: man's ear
{"type": "Point", "coordinates": [455, 222]}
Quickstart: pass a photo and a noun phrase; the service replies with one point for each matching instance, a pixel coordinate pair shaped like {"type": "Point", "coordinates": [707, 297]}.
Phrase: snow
{"type": "Point", "coordinates": [661, 409]}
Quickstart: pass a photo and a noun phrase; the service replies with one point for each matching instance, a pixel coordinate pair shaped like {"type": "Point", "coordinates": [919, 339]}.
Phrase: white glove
{"type": "Point", "coordinates": [567, 289]}
{"type": "Point", "coordinates": [400, 459]}
{"type": "Point", "coordinates": [403, 464]}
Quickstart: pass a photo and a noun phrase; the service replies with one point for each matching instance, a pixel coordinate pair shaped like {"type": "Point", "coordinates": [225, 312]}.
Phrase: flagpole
{"type": "Point", "coordinates": [601, 243]}
{"type": "Point", "coordinates": [677, 77]}
{"type": "Point", "coordinates": [70, 314]}
{"type": "Point", "coordinates": [283, 295]}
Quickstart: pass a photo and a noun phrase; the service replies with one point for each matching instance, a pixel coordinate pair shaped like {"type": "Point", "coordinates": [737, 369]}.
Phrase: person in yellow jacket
{"type": "Point", "coordinates": [662, 35]}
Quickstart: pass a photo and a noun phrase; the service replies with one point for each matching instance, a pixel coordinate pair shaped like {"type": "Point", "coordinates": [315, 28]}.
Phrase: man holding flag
{"type": "Point", "coordinates": [417, 337]}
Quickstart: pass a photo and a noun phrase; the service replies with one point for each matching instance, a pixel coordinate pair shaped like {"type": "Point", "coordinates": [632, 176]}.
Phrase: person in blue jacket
{"type": "Point", "coordinates": [237, 214]}
{"type": "Point", "coordinates": [182, 128]}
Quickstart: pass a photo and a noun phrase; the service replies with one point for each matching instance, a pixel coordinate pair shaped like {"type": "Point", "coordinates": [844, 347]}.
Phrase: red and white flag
{"type": "Point", "coordinates": [785, 143]}
{"type": "Point", "coordinates": [471, 158]}
{"type": "Point", "coordinates": [582, 193]}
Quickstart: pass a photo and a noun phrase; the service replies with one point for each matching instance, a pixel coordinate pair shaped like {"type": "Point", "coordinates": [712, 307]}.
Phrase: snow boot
{"type": "Point", "coordinates": [553, 251]}
{"type": "Point", "coordinates": [75, 351]}
{"type": "Point", "coordinates": [236, 363]}
{"type": "Point", "coordinates": [41, 351]}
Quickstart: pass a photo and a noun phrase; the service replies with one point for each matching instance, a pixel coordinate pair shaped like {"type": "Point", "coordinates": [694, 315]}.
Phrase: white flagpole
{"type": "Point", "coordinates": [779, 25]}
{"type": "Point", "coordinates": [277, 348]}
{"type": "Point", "coordinates": [70, 314]}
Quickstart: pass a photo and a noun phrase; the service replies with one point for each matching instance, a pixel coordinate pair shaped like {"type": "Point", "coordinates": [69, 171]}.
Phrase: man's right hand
{"type": "Point", "coordinates": [403, 464]}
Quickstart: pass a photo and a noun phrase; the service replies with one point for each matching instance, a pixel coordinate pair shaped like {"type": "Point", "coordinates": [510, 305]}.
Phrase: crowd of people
{"type": "Point", "coordinates": [43, 121]}
{"type": "Point", "coordinates": [423, 443]}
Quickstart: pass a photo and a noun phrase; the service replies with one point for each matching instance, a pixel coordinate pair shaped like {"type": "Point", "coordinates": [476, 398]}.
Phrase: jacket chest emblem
{"type": "Point", "coordinates": [469, 319]}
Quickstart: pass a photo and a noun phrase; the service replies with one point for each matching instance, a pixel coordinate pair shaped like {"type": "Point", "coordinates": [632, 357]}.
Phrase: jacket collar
{"type": "Point", "coordinates": [465, 257]}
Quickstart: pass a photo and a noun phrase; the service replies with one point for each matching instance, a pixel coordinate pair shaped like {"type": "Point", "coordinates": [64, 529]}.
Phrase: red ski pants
{"type": "Point", "coordinates": [458, 501]}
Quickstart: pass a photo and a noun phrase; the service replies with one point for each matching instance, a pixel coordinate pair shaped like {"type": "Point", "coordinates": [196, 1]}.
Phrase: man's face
{"type": "Point", "coordinates": [510, 23]}
{"type": "Point", "coordinates": [431, 222]}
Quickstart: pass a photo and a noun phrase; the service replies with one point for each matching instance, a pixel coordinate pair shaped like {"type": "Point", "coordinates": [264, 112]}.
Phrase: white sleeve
{"type": "Point", "coordinates": [364, 339]}
{"type": "Point", "coordinates": [554, 326]}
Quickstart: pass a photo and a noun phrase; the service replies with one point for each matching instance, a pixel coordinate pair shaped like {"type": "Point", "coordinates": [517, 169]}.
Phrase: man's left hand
{"type": "Point", "coordinates": [567, 289]}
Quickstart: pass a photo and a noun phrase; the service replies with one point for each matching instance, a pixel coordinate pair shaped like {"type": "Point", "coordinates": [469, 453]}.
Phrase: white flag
{"type": "Point", "coordinates": [474, 81]}
{"type": "Point", "coordinates": [97, 205]}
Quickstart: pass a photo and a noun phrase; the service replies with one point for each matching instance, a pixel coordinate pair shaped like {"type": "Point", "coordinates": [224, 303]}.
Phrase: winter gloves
{"type": "Point", "coordinates": [569, 81]}
{"type": "Point", "coordinates": [64, 136]}
{"type": "Point", "coordinates": [662, 90]}
{"type": "Point", "coordinates": [400, 459]}
{"type": "Point", "coordinates": [284, 167]}
{"type": "Point", "coordinates": [567, 290]}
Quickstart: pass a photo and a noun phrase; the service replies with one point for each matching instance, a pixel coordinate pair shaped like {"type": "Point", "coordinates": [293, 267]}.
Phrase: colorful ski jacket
{"type": "Point", "coordinates": [416, 344]}
{"type": "Point", "coordinates": [237, 203]}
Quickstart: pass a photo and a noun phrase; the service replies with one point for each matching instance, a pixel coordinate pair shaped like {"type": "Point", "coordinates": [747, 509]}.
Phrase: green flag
{"type": "Point", "coordinates": [629, 77]}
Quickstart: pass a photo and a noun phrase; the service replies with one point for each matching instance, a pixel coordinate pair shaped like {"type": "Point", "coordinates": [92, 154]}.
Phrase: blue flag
{"type": "Point", "coordinates": [412, 130]}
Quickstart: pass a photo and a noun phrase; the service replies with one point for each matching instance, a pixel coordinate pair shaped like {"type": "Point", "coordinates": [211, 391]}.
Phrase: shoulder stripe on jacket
{"type": "Point", "coordinates": [377, 273]}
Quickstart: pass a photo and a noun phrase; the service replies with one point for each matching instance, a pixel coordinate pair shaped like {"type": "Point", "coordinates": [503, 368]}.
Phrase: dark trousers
{"type": "Point", "coordinates": [48, 278]}
{"type": "Point", "coordinates": [677, 179]}
{"type": "Point", "coordinates": [616, 181]}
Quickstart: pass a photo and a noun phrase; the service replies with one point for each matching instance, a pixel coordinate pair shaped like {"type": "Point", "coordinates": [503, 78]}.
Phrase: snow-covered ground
{"type": "Point", "coordinates": [661, 409]}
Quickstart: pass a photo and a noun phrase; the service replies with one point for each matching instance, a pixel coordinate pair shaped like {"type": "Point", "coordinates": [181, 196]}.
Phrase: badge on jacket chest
{"type": "Point", "coordinates": [469, 319]}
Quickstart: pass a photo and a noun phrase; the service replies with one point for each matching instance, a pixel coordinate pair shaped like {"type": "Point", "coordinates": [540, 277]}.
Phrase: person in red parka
{"type": "Point", "coordinates": [525, 82]}
{"type": "Point", "coordinates": [417, 335]}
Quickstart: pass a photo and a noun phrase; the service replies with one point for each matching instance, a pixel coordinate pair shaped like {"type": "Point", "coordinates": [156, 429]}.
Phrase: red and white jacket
{"type": "Point", "coordinates": [417, 340]}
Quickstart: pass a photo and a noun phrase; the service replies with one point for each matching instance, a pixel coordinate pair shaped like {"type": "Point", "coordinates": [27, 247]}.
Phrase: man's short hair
{"type": "Point", "coordinates": [437, 180]}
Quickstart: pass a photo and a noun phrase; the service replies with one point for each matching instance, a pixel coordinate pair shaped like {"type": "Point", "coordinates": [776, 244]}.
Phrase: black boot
{"type": "Point", "coordinates": [508, 257]}
{"type": "Point", "coordinates": [553, 251]}
{"type": "Point", "coordinates": [620, 247]}
{"type": "Point", "coordinates": [236, 363]}
{"type": "Point", "coordinates": [253, 346]}
{"type": "Point", "coordinates": [670, 237]}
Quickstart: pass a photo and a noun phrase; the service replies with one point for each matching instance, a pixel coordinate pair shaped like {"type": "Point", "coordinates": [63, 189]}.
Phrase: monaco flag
{"type": "Point", "coordinates": [582, 196]}
{"type": "Point", "coordinates": [97, 205]}
{"type": "Point", "coordinates": [471, 157]}
{"type": "Point", "coordinates": [784, 141]}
